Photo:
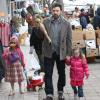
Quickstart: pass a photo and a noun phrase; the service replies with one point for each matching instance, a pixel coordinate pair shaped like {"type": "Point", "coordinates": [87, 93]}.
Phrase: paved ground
{"type": "Point", "coordinates": [5, 87]}
{"type": "Point", "coordinates": [91, 86]}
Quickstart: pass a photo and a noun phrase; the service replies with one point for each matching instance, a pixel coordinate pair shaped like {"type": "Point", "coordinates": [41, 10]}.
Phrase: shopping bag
{"type": "Point", "coordinates": [32, 62]}
{"type": "Point", "coordinates": [27, 41]}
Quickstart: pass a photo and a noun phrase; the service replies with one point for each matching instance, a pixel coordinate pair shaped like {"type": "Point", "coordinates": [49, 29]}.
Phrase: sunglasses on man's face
{"type": "Point", "coordinates": [12, 43]}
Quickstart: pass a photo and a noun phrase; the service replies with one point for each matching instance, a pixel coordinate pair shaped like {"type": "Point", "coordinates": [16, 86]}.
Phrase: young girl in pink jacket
{"type": "Point", "coordinates": [78, 69]}
{"type": "Point", "coordinates": [14, 64]}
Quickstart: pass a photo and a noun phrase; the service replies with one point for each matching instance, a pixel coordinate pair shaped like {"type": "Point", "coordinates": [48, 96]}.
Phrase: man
{"type": "Point", "coordinates": [96, 20]}
{"type": "Point", "coordinates": [84, 19]}
{"type": "Point", "coordinates": [59, 31]}
{"type": "Point", "coordinates": [2, 64]}
{"type": "Point", "coordinates": [91, 11]}
{"type": "Point", "coordinates": [46, 11]}
{"type": "Point", "coordinates": [76, 13]}
{"type": "Point", "coordinates": [23, 15]}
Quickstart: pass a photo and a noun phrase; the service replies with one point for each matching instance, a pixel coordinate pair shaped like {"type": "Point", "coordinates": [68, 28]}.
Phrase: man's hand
{"type": "Point", "coordinates": [68, 57]}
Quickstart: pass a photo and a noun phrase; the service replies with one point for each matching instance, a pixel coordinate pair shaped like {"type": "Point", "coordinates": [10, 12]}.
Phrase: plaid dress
{"type": "Point", "coordinates": [14, 72]}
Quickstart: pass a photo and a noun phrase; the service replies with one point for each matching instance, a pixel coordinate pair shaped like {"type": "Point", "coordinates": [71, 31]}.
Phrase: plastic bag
{"type": "Point", "coordinates": [32, 63]}
{"type": "Point", "coordinates": [27, 41]}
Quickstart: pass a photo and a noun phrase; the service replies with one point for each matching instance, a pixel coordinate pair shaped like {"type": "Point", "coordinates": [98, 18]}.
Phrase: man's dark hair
{"type": "Point", "coordinates": [82, 10]}
{"type": "Point", "coordinates": [76, 8]}
{"type": "Point", "coordinates": [56, 4]}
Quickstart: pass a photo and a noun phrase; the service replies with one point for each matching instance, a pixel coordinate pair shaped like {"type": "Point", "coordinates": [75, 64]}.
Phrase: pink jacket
{"type": "Point", "coordinates": [78, 68]}
{"type": "Point", "coordinates": [19, 52]}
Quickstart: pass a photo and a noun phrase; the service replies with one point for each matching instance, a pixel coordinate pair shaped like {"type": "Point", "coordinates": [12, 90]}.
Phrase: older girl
{"type": "Point", "coordinates": [14, 64]}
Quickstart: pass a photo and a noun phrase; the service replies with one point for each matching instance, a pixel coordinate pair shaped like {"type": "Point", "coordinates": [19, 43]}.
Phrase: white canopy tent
{"type": "Point", "coordinates": [67, 2]}
{"type": "Point", "coordinates": [82, 2]}
{"type": "Point", "coordinates": [77, 2]}
{"type": "Point", "coordinates": [70, 5]}
{"type": "Point", "coordinates": [96, 2]}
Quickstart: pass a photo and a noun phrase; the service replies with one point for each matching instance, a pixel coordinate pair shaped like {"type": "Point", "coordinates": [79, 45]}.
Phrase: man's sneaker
{"type": "Point", "coordinates": [60, 96]}
{"type": "Point", "coordinates": [48, 98]}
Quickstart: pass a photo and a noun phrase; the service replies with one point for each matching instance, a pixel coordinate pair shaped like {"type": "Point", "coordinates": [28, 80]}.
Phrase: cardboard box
{"type": "Point", "coordinates": [90, 44]}
{"type": "Point", "coordinates": [77, 35]}
{"type": "Point", "coordinates": [89, 35]}
{"type": "Point", "coordinates": [92, 52]}
{"type": "Point", "coordinates": [97, 33]}
{"type": "Point", "coordinates": [98, 41]}
{"type": "Point", "coordinates": [99, 51]}
{"type": "Point", "coordinates": [78, 43]}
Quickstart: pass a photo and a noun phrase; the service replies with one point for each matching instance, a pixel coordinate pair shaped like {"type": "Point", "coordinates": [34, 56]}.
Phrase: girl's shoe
{"type": "Point", "coordinates": [81, 98]}
{"type": "Point", "coordinates": [11, 93]}
{"type": "Point", "coordinates": [75, 97]}
{"type": "Point", "coordinates": [21, 92]}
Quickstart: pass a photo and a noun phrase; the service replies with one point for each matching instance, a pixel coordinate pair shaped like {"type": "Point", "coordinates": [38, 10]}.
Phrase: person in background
{"type": "Point", "coordinates": [13, 28]}
{"type": "Point", "coordinates": [78, 69]}
{"type": "Point", "coordinates": [76, 13]}
{"type": "Point", "coordinates": [96, 20]}
{"type": "Point", "coordinates": [29, 18]}
{"type": "Point", "coordinates": [91, 11]}
{"type": "Point", "coordinates": [59, 30]}
{"type": "Point", "coordinates": [46, 11]}
{"type": "Point", "coordinates": [14, 60]}
{"type": "Point", "coordinates": [23, 15]}
{"type": "Point", "coordinates": [2, 64]}
{"type": "Point", "coordinates": [84, 19]}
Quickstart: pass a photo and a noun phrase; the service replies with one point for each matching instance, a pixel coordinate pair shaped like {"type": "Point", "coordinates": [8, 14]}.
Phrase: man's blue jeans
{"type": "Point", "coordinates": [48, 68]}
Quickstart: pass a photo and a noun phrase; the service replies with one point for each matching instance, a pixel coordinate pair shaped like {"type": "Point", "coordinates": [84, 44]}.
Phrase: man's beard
{"type": "Point", "coordinates": [55, 16]}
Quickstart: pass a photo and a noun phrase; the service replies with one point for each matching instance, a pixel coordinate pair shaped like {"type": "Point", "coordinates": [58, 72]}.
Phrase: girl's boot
{"type": "Point", "coordinates": [81, 98]}
{"type": "Point", "coordinates": [75, 97]}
